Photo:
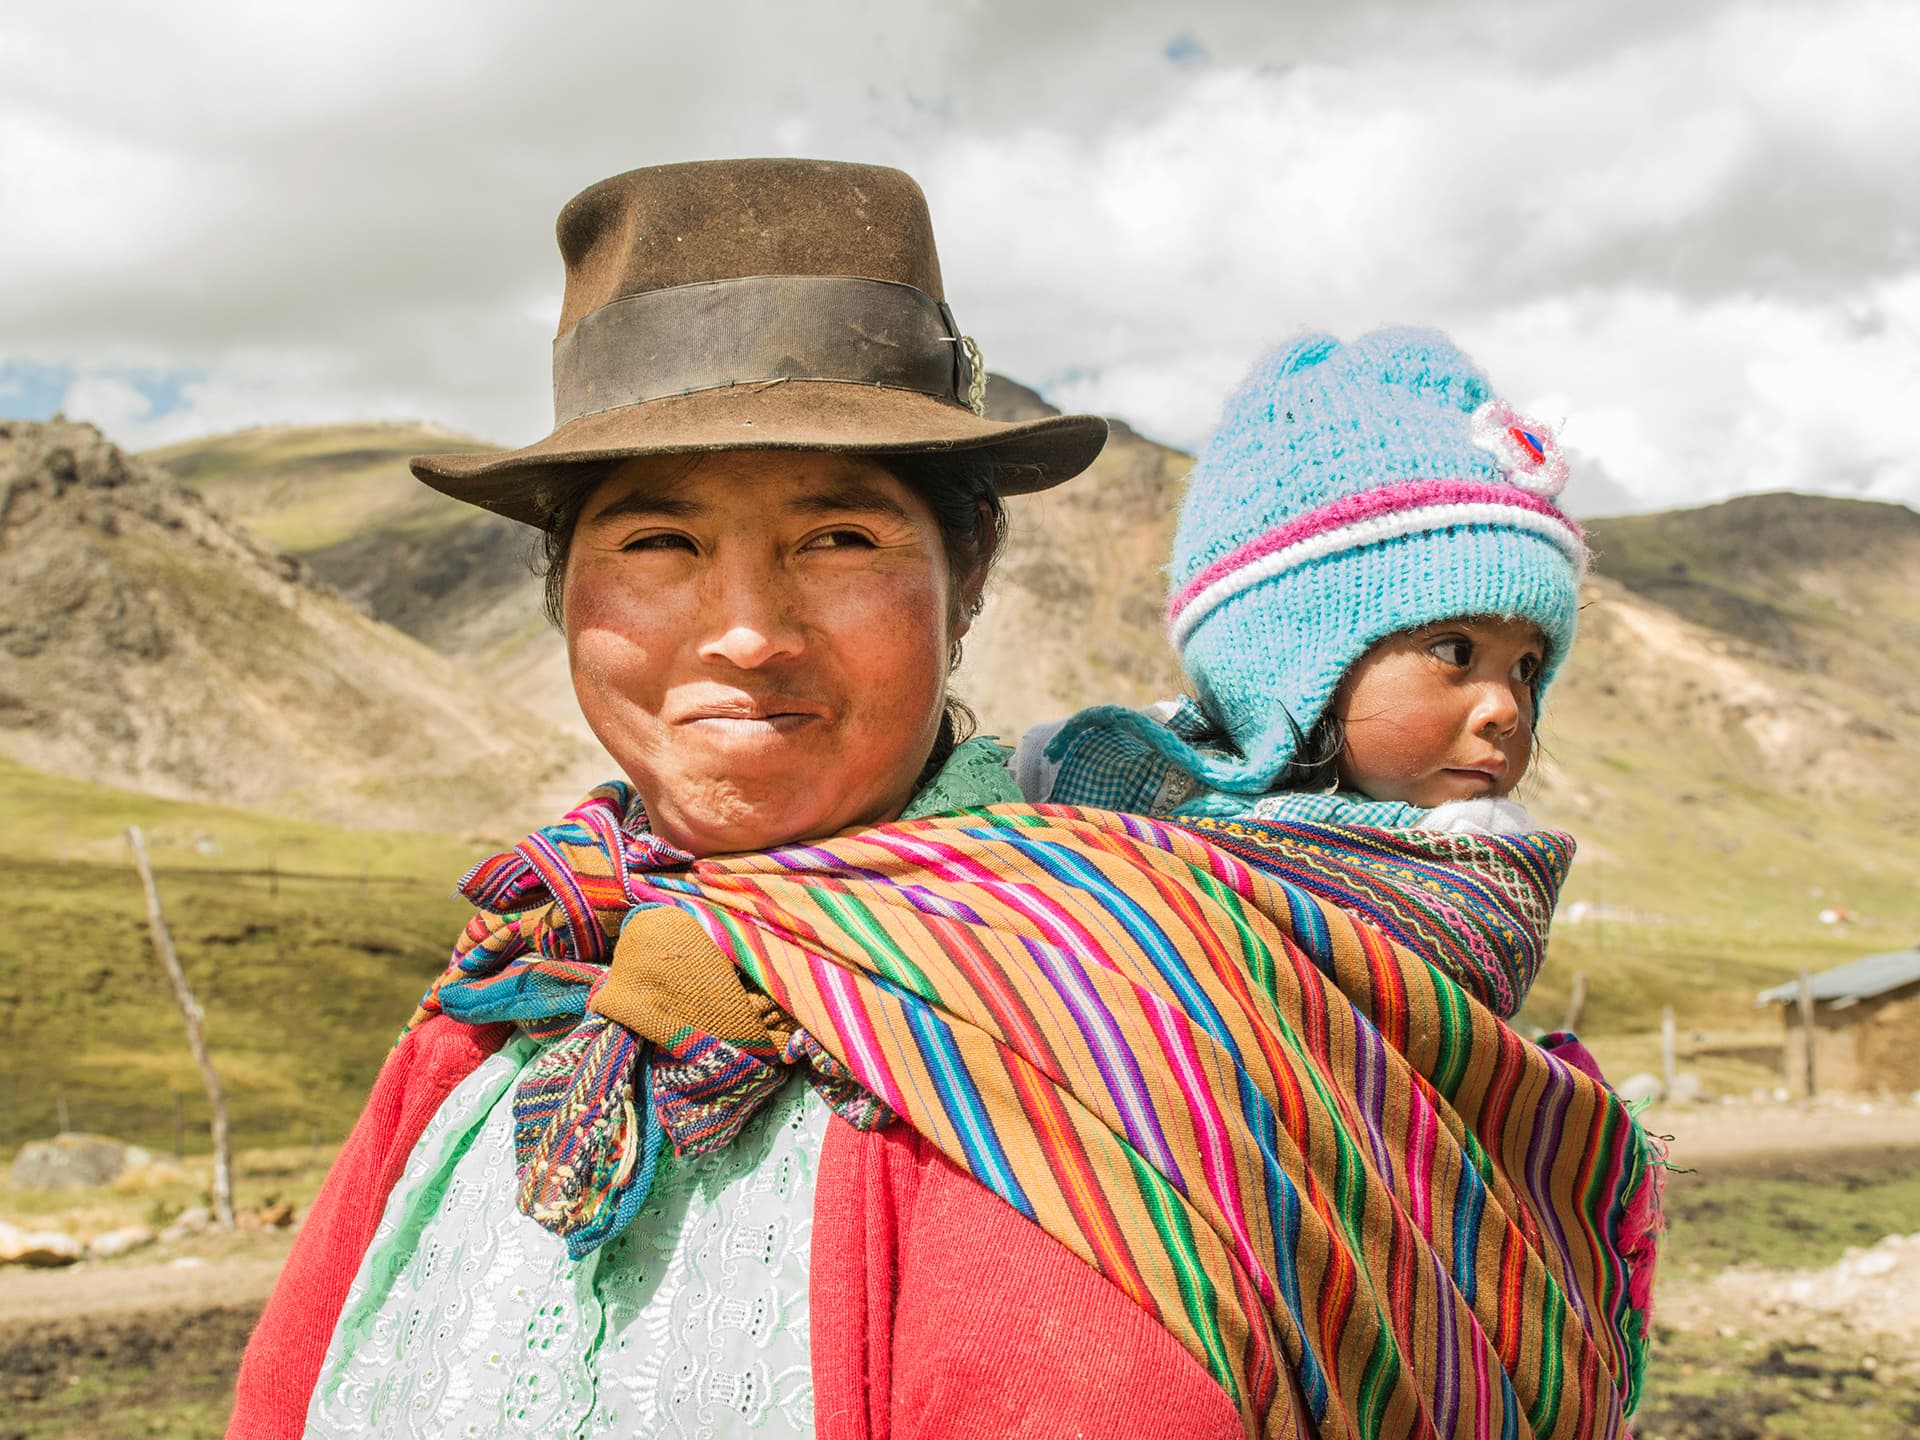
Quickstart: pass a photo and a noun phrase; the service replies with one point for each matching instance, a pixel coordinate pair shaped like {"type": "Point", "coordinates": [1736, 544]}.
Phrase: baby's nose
{"type": "Point", "coordinates": [1498, 711]}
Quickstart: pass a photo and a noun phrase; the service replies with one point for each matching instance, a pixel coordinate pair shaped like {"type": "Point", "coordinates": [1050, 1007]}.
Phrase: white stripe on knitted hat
{"type": "Point", "coordinates": [1372, 531]}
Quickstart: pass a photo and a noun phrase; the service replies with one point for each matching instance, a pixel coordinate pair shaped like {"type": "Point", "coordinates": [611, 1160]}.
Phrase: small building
{"type": "Point", "coordinates": [1866, 1025]}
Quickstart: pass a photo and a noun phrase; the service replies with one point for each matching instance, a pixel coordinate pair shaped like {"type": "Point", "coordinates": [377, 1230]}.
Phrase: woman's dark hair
{"type": "Point", "coordinates": [960, 487]}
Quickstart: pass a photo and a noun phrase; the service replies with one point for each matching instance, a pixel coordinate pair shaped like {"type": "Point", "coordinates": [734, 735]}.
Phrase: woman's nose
{"type": "Point", "coordinates": [749, 620]}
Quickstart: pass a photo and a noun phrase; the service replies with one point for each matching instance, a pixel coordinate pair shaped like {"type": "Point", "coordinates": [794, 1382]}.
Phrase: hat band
{"type": "Point", "coordinates": [1370, 517]}
{"type": "Point", "coordinates": [755, 330]}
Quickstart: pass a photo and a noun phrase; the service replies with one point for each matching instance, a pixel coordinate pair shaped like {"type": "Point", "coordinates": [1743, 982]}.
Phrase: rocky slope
{"type": "Point", "coordinates": [147, 642]}
{"type": "Point", "coordinates": [455, 578]}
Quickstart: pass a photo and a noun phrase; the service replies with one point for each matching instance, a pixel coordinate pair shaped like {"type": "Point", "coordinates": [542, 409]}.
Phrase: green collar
{"type": "Point", "coordinates": [975, 774]}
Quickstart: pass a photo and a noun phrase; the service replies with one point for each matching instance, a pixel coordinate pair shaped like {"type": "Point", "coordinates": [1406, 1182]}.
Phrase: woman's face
{"type": "Point", "coordinates": [760, 640]}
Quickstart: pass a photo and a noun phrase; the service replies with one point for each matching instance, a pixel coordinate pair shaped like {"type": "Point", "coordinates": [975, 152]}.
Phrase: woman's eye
{"type": "Point", "coordinates": [659, 542]}
{"type": "Point", "coordinates": [839, 540]}
{"type": "Point", "coordinates": [1452, 651]}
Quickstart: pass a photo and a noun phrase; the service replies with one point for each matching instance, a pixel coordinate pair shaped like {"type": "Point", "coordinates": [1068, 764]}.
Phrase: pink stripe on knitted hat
{"type": "Point", "coordinates": [1363, 505]}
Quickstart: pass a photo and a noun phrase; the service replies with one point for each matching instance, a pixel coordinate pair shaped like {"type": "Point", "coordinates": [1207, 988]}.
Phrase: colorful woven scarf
{"type": "Point", "coordinates": [655, 1039]}
{"type": "Point", "coordinates": [1321, 1161]}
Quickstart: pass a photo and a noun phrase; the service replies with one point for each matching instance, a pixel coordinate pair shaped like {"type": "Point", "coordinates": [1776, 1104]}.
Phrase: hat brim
{"type": "Point", "coordinates": [787, 415]}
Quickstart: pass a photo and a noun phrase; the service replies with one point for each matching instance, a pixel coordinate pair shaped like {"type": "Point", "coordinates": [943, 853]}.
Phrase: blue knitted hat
{"type": "Point", "coordinates": [1350, 492]}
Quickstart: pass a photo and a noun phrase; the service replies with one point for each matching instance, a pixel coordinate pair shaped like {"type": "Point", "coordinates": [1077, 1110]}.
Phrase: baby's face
{"type": "Point", "coordinates": [1441, 713]}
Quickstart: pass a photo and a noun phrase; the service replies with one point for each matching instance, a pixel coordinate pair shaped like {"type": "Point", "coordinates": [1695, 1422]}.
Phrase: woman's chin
{"type": "Point", "coordinates": [733, 816]}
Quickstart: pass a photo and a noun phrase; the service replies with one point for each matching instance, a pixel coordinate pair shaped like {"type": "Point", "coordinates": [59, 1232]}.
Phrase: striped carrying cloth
{"type": "Point", "coordinates": [1323, 1163]}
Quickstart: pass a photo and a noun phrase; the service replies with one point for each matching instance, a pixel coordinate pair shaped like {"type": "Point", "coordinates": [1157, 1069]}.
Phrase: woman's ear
{"type": "Point", "coordinates": [970, 588]}
{"type": "Point", "coordinates": [966, 607]}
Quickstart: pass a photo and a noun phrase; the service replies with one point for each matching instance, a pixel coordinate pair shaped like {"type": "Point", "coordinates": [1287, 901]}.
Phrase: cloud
{"type": "Point", "coordinates": [115, 406]}
{"type": "Point", "coordinates": [1655, 215]}
{"type": "Point", "coordinates": [1692, 401]}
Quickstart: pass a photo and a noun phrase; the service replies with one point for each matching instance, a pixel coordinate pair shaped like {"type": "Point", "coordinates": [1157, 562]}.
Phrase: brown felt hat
{"type": "Point", "coordinates": [758, 304]}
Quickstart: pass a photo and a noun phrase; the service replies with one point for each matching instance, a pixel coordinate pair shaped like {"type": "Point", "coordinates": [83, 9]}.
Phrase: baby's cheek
{"type": "Point", "coordinates": [1519, 757]}
{"type": "Point", "coordinates": [1407, 745]}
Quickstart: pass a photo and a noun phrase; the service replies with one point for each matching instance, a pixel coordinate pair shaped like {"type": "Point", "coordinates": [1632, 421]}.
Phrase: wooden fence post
{"type": "Point", "coordinates": [1576, 1002]}
{"type": "Point", "coordinates": [1667, 1057]}
{"type": "Point", "coordinates": [190, 1011]}
{"type": "Point", "coordinates": [1806, 1028]}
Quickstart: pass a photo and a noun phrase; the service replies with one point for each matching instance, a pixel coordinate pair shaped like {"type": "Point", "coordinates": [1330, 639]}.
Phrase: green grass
{"type": "Point", "coordinates": [123, 1380]}
{"type": "Point", "coordinates": [306, 947]}
{"type": "Point", "coordinates": [1717, 1387]}
{"type": "Point", "coordinates": [309, 487]}
{"type": "Point", "coordinates": [1709, 976]}
{"type": "Point", "coordinates": [54, 819]}
{"type": "Point", "coordinates": [1801, 1221]}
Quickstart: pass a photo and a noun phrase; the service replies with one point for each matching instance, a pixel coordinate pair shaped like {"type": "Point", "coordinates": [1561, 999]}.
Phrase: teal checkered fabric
{"type": "Point", "coordinates": [1106, 768]}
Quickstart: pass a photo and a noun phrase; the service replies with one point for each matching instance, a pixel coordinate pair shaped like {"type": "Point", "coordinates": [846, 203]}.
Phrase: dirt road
{"type": "Point", "coordinates": [232, 1281]}
{"type": "Point", "coordinates": [1767, 1139]}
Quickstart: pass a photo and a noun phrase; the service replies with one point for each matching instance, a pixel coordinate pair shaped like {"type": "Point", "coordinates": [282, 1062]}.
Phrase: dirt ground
{"type": "Point", "coordinates": [236, 1280]}
{"type": "Point", "coordinates": [1769, 1139]}
{"type": "Point", "coordinates": [132, 1349]}
{"type": "Point", "coordinates": [147, 1346]}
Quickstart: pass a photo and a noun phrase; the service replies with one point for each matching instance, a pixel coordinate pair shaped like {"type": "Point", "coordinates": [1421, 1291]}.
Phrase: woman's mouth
{"type": "Point", "coordinates": [745, 717]}
{"type": "Point", "coordinates": [751, 727]}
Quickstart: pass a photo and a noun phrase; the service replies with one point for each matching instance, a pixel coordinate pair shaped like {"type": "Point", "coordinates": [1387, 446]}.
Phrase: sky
{"type": "Point", "coordinates": [1685, 234]}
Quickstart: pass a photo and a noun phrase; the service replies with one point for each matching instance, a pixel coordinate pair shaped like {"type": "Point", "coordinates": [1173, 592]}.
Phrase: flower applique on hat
{"type": "Point", "coordinates": [1527, 452]}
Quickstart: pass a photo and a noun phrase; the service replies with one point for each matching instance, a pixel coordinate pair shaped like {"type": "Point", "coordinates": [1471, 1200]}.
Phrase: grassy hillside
{"type": "Point", "coordinates": [453, 577]}
{"type": "Point", "coordinates": [1736, 743]}
{"type": "Point", "coordinates": [308, 487]}
{"type": "Point", "coordinates": [306, 946]}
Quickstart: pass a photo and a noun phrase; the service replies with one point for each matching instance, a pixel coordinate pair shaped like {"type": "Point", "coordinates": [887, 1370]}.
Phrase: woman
{"type": "Point", "coordinates": [759, 1100]}
{"type": "Point", "coordinates": [761, 637]}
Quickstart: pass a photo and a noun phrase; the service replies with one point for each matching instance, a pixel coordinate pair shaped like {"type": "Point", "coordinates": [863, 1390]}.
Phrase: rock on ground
{"type": "Point", "coordinates": [71, 1162]}
{"type": "Point", "coordinates": [39, 1248]}
{"type": "Point", "coordinates": [1875, 1290]}
{"type": "Point", "coordinates": [123, 1241]}
{"type": "Point", "coordinates": [189, 1222]}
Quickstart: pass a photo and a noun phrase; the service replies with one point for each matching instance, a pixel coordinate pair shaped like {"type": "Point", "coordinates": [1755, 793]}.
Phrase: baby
{"type": "Point", "coordinates": [1372, 588]}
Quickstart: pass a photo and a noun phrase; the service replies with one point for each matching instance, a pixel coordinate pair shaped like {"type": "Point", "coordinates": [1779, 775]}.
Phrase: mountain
{"type": "Point", "coordinates": [1073, 612]}
{"type": "Point", "coordinates": [147, 642]}
{"type": "Point", "coordinates": [457, 579]}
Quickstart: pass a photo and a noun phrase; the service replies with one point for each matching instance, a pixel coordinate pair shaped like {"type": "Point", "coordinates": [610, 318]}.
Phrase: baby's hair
{"type": "Point", "coordinates": [1316, 756]}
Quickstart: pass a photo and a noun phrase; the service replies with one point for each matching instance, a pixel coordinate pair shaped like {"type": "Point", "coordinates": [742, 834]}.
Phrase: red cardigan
{"type": "Point", "coordinates": [937, 1309]}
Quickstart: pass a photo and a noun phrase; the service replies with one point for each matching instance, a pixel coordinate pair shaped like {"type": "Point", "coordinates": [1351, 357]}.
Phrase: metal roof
{"type": "Point", "coordinates": [1860, 979]}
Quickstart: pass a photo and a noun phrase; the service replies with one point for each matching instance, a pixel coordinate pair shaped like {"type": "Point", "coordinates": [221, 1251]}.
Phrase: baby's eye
{"type": "Point", "coordinates": [1453, 650]}
{"type": "Point", "coordinates": [1527, 669]}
